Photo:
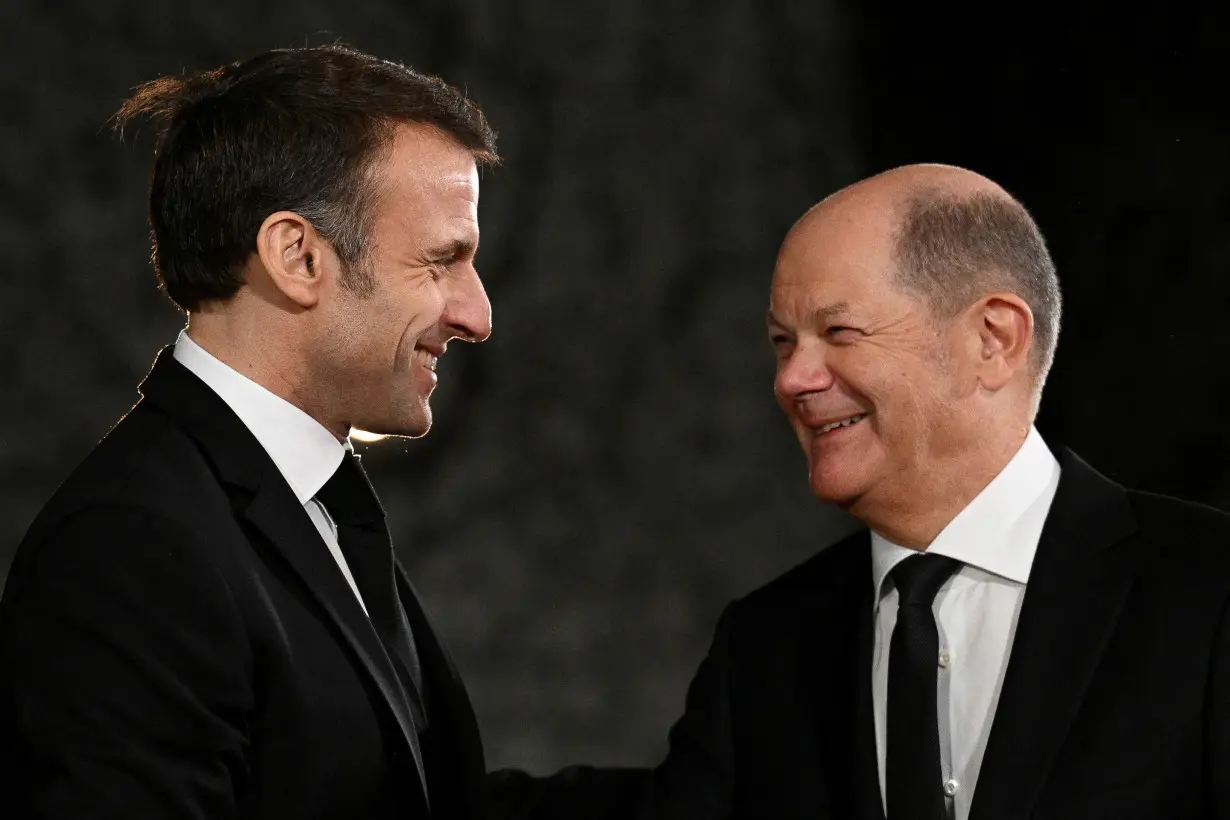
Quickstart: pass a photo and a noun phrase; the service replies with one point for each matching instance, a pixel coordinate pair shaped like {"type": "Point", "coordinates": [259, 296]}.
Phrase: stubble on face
{"type": "Point", "coordinates": [381, 343]}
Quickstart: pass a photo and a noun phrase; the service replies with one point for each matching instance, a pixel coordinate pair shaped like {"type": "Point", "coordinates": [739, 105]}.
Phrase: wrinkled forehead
{"type": "Point", "coordinates": [423, 161]}
{"type": "Point", "coordinates": [455, 193]}
{"type": "Point", "coordinates": [427, 181]}
{"type": "Point", "coordinates": [832, 257]}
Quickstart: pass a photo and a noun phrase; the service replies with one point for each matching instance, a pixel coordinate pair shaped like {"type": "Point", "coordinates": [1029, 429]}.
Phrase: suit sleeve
{"type": "Point", "coordinates": [1217, 723]}
{"type": "Point", "coordinates": [127, 675]}
{"type": "Point", "coordinates": [694, 782]}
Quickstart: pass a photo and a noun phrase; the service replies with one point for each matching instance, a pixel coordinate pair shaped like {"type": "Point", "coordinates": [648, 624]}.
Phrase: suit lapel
{"type": "Point", "coordinates": [268, 503]}
{"type": "Point", "coordinates": [1076, 589]}
{"type": "Point", "coordinates": [840, 626]}
{"type": "Point", "coordinates": [278, 515]}
{"type": "Point", "coordinates": [460, 741]}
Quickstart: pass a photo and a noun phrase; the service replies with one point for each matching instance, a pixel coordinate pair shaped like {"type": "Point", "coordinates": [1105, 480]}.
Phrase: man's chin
{"type": "Point", "coordinates": [415, 427]}
{"type": "Point", "coordinates": [831, 488]}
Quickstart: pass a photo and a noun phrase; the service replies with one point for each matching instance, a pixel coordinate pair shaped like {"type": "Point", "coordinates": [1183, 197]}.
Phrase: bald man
{"type": "Point", "coordinates": [1013, 635]}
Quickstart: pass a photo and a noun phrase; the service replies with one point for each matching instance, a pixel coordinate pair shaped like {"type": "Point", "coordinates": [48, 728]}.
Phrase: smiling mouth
{"type": "Point", "coordinates": [837, 425]}
{"type": "Point", "coordinates": [430, 358]}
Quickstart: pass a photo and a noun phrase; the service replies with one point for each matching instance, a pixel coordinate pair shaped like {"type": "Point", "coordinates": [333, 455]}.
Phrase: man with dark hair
{"type": "Point", "coordinates": [1013, 635]}
{"type": "Point", "coordinates": [207, 620]}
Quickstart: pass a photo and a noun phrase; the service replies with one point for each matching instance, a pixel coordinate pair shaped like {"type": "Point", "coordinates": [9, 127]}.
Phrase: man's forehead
{"type": "Point", "coordinates": [819, 278]}
{"type": "Point", "coordinates": [840, 254]}
{"type": "Point", "coordinates": [824, 288]}
{"type": "Point", "coordinates": [826, 237]}
{"type": "Point", "coordinates": [460, 181]}
{"type": "Point", "coordinates": [422, 158]}
{"type": "Point", "coordinates": [450, 186]}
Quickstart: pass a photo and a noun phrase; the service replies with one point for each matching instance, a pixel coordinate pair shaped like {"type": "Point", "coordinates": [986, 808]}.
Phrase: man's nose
{"type": "Point", "coordinates": [804, 371]}
{"type": "Point", "coordinates": [467, 311]}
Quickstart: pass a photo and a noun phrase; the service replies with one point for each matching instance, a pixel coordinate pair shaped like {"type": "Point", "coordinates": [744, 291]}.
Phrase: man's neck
{"type": "Point", "coordinates": [916, 515]}
{"type": "Point", "coordinates": [231, 342]}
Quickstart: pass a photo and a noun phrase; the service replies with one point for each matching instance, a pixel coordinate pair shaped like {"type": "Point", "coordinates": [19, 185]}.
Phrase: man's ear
{"type": "Point", "coordinates": [292, 254]}
{"type": "Point", "coordinates": [1005, 327]}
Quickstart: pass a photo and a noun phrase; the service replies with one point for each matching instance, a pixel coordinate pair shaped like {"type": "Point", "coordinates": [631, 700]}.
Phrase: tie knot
{"type": "Point", "coordinates": [349, 496]}
{"type": "Point", "coordinates": [919, 578]}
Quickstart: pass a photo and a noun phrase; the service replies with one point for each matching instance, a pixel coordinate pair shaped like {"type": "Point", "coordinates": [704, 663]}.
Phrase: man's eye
{"type": "Point", "coordinates": [837, 329]}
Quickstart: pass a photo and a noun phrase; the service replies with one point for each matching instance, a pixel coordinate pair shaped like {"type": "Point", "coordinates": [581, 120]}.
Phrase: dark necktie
{"type": "Point", "coordinates": [361, 533]}
{"type": "Point", "coordinates": [913, 776]}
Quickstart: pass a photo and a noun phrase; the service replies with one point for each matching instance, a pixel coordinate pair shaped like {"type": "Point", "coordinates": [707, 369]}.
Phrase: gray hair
{"type": "Point", "coordinates": [952, 249]}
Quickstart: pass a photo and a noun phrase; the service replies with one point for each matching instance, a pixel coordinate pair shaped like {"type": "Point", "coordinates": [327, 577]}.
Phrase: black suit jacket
{"type": "Point", "coordinates": [176, 641]}
{"type": "Point", "coordinates": [1115, 703]}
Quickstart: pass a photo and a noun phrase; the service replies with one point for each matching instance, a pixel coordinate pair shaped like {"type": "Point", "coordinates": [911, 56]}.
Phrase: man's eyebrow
{"type": "Point", "coordinates": [820, 316]}
{"type": "Point", "coordinates": [823, 315]}
{"type": "Point", "coordinates": [454, 249]}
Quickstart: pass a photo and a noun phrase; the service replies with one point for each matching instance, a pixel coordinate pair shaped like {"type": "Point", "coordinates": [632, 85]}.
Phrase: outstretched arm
{"type": "Point", "coordinates": [694, 782]}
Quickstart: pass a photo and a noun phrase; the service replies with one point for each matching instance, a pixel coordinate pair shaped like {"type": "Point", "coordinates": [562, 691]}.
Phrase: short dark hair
{"type": "Point", "coordinates": [951, 249]}
{"type": "Point", "coordinates": [297, 129]}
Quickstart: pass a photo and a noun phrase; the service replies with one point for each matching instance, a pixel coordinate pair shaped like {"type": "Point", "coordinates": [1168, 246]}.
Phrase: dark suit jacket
{"type": "Point", "coordinates": [1115, 704]}
{"type": "Point", "coordinates": [177, 642]}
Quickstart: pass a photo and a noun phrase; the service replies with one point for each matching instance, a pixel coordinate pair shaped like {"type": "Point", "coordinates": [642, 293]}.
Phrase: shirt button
{"type": "Point", "coordinates": [950, 787]}
{"type": "Point", "coordinates": [945, 659]}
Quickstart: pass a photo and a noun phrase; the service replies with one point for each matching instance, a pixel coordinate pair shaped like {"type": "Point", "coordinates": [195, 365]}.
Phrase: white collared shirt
{"type": "Point", "coordinates": [995, 537]}
{"type": "Point", "coordinates": [304, 451]}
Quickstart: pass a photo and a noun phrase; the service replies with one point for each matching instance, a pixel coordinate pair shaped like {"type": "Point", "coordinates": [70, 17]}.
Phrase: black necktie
{"type": "Point", "coordinates": [913, 776]}
{"type": "Point", "coordinates": [361, 533]}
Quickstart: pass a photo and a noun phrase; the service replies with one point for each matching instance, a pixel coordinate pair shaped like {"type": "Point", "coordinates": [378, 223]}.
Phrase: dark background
{"type": "Point", "coordinates": [610, 468]}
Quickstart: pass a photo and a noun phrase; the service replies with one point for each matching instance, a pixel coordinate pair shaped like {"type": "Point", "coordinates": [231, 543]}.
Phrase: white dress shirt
{"type": "Point", "coordinates": [995, 537]}
{"type": "Point", "coordinates": [304, 451]}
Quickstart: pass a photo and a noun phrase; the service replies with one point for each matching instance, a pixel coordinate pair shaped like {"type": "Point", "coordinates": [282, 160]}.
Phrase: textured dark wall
{"type": "Point", "coordinates": [610, 468]}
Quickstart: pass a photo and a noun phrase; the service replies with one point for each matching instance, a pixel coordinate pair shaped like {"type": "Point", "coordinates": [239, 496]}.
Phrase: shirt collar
{"type": "Point", "coordinates": [303, 450]}
{"type": "Point", "coordinates": [998, 531]}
